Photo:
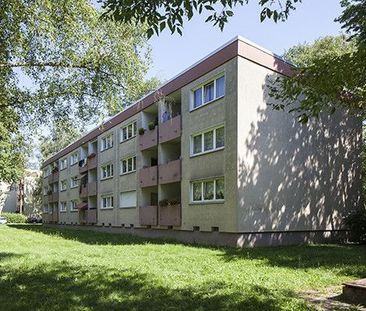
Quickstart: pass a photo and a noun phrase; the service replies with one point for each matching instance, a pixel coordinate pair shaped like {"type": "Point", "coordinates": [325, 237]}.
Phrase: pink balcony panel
{"type": "Point", "coordinates": [92, 188]}
{"type": "Point", "coordinates": [148, 215]}
{"type": "Point", "coordinates": [55, 197]}
{"type": "Point", "coordinates": [91, 216]}
{"type": "Point", "coordinates": [148, 176]}
{"type": "Point", "coordinates": [170, 172]}
{"type": "Point", "coordinates": [170, 129]}
{"type": "Point", "coordinates": [170, 215]}
{"type": "Point", "coordinates": [83, 169]}
{"type": "Point", "coordinates": [148, 139]}
{"type": "Point", "coordinates": [83, 191]}
{"type": "Point", "coordinates": [53, 177]}
{"type": "Point", "coordinates": [92, 162]}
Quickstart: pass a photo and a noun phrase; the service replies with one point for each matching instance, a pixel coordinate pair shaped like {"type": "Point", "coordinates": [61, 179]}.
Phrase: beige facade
{"type": "Point", "coordinates": [230, 164]}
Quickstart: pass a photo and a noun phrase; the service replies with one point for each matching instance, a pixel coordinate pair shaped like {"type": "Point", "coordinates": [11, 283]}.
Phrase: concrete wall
{"type": "Point", "coordinates": [218, 163]}
{"type": "Point", "coordinates": [292, 176]}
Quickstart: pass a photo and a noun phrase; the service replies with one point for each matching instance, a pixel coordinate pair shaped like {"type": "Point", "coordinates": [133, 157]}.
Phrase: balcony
{"type": "Point", "coordinates": [148, 139]}
{"type": "Point", "coordinates": [148, 215]}
{"type": "Point", "coordinates": [53, 177]}
{"type": "Point", "coordinates": [148, 176]}
{"type": "Point", "coordinates": [54, 197]}
{"type": "Point", "coordinates": [170, 172]}
{"type": "Point", "coordinates": [170, 129]}
{"type": "Point", "coordinates": [92, 161]}
{"type": "Point", "coordinates": [89, 189]}
{"type": "Point", "coordinates": [54, 217]}
{"type": "Point", "coordinates": [91, 216]}
{"type": "Point", "coordinates": [170, 215]}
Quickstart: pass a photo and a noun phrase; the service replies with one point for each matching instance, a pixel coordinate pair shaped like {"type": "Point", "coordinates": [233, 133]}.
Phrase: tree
{"type": "Point", "coordinates": [160, 14]}
{"type": "Point", "coordinates": [59, 60]}
{"type": "Point", "coordinates": [331, 73]}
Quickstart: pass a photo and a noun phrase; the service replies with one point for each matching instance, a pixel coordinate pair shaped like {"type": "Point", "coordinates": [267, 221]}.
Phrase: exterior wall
{"type": "Point", "coordinates": [292, 176]}
{"type": "Point", "coordinates": [215, 164]}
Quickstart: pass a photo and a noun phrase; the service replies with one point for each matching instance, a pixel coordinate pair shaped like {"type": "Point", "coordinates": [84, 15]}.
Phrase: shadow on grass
{"type": "Point", "coordinates": [348, 259]}
{"type": "Point", "coordinates": [61, 286]}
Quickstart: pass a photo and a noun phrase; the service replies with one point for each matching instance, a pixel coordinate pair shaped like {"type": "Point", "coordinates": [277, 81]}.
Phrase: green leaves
{"type": "Point", "coordinates": [156, 14]}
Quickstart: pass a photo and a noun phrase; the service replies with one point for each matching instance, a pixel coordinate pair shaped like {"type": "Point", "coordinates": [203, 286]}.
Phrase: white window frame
{"type": "Point", "coordinates": [106, 142]}
{"type": "Point", "coordinates": [73, 205]}
{"type": "Point", "coordinates": [214, 129]}
{"type": "Point", "coordinates": [65, 183]}
{"type": "Point", "coordinates": [134, 131]}
{"type": "Point", "coordinates": [127, 206]}
{"type": "Point", "coordinates": [134, 164]}
{"type": "Point", "coordinates": [72, 179]}
{"type": "Point", "coordinates": [74, 158]}
{"type": "Point", "coordinates": [106, 197]}
{"type": "Point", "coordinates": [63, 206]}
{"type": "Point", "coordinates": [63, 164]}
{"type": "Point", "coordinates": [102, 171]}
{"type": "Point", "coordinates": [202, 181]}
{"type": "Point", "coordinates": [202, 87]}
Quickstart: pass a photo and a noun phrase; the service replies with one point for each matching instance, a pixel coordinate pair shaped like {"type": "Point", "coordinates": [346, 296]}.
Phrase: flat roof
{"type": "Point", "coordinates": [238, 46]}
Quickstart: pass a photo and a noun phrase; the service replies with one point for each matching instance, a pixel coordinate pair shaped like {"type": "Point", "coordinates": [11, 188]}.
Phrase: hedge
{"type": "Point", "coordinates": [14, 218]}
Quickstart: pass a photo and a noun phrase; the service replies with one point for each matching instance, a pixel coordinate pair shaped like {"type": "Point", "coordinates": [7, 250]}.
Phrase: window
{"type": "Point", "coordinates": [47, 172]}
{"type": "Point", "coordinates": [74, 158]}
{"type": "Point", "coordinates": [73, 182]}
{"type": "Point", "coordinates": [62, 206]}
{"type": "Point", "coordinates": [128, 131]}
{"type": "Point", "coordinates": [107, 201]}
{"type": "Point", "coordinates": [211, 140]}
{"type": "Point", "coordinates": [128, 165]}
{"type": "Point", "coordinates": [107, 171]}
{"type": "Point", "coordinates": [107, 142]}
{"type": "Point", "coordinates": [209, 92]}
{"type": "Point", "coordinates": [63, 185]}
{"type": "Point", "coordinates": [45, 208]}
{"type": "Point", "coordinates": [208, 190]}
{"type": "Point", "coordinates": [73, 205]}
{"type": "Point", "coordinates": [63, 164]}
{"type": "Point", "coordinates": [127, 199]}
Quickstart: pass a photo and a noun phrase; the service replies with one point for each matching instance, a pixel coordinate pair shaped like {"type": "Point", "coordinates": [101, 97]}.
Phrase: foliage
{"type": "Point", "coordinates": [14, 218]}
{"type": "Point", "coordinates": [141, 131]}
{"type": "Point", "coordinates": [115, 271]}
{"type": "Point", "coordinates": [59, 60]}
{"type": "Point", "coordinates": [330, 73]}
{"type": "Point", "coordinates": [356, 222]}
{"type": "Point", "coordinates": [160, 14]}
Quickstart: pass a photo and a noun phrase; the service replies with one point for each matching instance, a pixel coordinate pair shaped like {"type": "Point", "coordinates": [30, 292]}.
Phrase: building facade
{"type": "Point", "coordinates": [205, 159]}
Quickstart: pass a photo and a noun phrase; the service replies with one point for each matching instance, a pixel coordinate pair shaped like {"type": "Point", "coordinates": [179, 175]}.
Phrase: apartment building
{"type": "Point", "coordinates": [205, 159]}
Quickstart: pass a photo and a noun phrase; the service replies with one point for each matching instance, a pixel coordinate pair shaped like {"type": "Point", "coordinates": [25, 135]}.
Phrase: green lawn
{"type": "Point", "coordinates": [48, 269]}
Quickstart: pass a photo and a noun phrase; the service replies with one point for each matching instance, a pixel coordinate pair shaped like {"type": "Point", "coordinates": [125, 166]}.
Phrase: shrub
{"type": "Point", "coordinates": [14, 218]}
{"type": "Point", "coordinates": [356, 223]}
{"type": "Point", "coordinates": [151, 125]}
{"type": "Point", "coordinates": [141, 131]}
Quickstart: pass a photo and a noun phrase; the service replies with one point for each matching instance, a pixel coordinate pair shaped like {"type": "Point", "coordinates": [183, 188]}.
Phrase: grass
{"type": "Point", "coordinates": [49, 269]}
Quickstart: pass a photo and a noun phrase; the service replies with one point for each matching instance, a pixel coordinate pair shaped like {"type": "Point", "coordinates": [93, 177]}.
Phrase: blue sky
{"type": "Point", "coordinates": [312, 19]}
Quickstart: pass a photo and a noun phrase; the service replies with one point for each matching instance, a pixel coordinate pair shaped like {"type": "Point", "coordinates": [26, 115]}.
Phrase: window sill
{"type": "Point", "coordinates": [127, 139]}
{"type": "Point", "coordinates": [72, 164]}
{"type": "Point", "coordinates": [206, 152]}
{"type": "Point", "coordinates": [207, 202]}
{"type": "Point", "coordinates": [127, 207]}
{"type": "Point", "coordinates": [205, 104]}
{"type": "Point", "coordinates": [63, 211]}
{"type": "Point", "coordinates": [74, 211]}
{"type": "Point", "coordinates": [64, 190]}
{"type": "Point", "coordinates": [106, 208]}
{"type": "Point", "coordinates": [73, 187]}
{"type": "Point", "coordinates": [128, 173]}
{"type": "Point", "coordinates": [106, 178]}
{"type": "Point", "coordinates": [106, 149]}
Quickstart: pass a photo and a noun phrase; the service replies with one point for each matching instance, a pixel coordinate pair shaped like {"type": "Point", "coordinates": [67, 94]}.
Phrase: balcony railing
{"type": "Point", "coordinates": [88, 163]}
{"type": "Point", "coordinates": [148, 139]}
{"type": "Point", "coordinates": [92, 161]}
{"type": "Point", "coordinates": [89, 189]}
{"type": "Point", "coordinates": [170, 129]}
{"type": "Point", "coordinates": [53, 177]}
{"type": "Point", "coordinates": [170, 172]}
{"type": "Point", "coordinates": [170, 215]}
{"type": "Point", "coordinates": [148, 215]}
{"type": "Point", "coordinates": [54, 217]}
{"type": "Point", "coordinates": [83, 166]}
{"type": "Point", "coordinates": [148, 176]}
{"type": "Point", "coordinates": [91, 217]}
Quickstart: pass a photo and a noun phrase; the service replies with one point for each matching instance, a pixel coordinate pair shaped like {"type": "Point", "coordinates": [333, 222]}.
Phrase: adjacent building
{"type": "Point", "coordinates": [205, 159]}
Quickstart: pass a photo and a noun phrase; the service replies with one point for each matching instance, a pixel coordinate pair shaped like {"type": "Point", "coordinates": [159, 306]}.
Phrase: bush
{"type": "Point", "coordinates": [151, 126]}
{"type": "Point", "coordinates": [356, 222]}
{"type": "Point", "coordinates": [14, 218]}
{"type": "Point", "coordinates": [141, 131]}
